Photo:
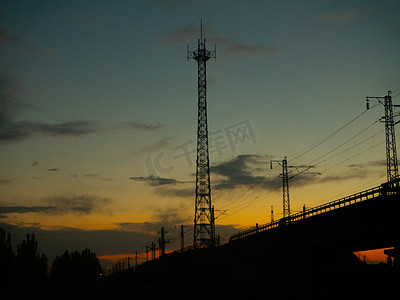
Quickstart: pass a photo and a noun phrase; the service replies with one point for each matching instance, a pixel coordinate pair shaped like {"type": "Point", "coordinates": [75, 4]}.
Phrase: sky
{"type": "Point", "coordinates": [98, 113]}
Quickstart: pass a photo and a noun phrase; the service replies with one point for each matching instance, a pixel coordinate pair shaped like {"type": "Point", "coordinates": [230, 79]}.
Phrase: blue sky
{"type": "Point", "coordinates": [93, 93]}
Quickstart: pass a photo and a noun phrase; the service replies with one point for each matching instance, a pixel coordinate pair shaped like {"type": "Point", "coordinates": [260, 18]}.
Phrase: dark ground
{"type": "Point", "coordinates": [343, 277]}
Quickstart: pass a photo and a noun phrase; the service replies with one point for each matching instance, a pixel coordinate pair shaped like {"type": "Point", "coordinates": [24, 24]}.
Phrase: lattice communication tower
{"type": "Point", "coordinates": [204, 227]}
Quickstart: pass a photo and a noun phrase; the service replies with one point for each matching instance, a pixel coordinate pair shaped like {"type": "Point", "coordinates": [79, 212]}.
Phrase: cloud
{"type": "Point", "coordinates": [232, 45]}
{"type": "Point", "coordinates": [140, 126]}
{"type": "Point", "coordinates": [96, 176]}
{"type": "Point", "coordinates": [27, 209]}
{"type": "Point", "coordinates": [53, 170]}
{"type": "Point", "coordinates": [187, 32]}
{"type": "Point", "coordinates": [240, 171]}
{"type": "Point", "coordinates": [167, 217]}
{"type": "Point", "coordinates": [156, 181]}
{"type": "Point", "coordinates": [14, 131]}
{"type": "Point", "coordinates": [252, 50]}
{"type": "Point", "coordinates": [151, 148]}
{"type": "Point", "coordinates": [339, 16]}
{"type": "Point", "coordinates": [169, 192]}
{"type": "Point", "coordinates": [78, 204]}
{"type": "Point", "coordinates": [17, 131]}
{"type": "Point", "coordinates": [35, 163]}
{"type": "Point", "coordinates": [5, 181]}
{"type": "Point", "coordinates": [374, 163]}
{"type": "Point", "coordinates": [61, 205]}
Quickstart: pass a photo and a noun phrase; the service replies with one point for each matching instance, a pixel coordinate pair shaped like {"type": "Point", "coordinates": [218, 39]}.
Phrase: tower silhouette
{"type": "Point", "coordinates": [204, 227]}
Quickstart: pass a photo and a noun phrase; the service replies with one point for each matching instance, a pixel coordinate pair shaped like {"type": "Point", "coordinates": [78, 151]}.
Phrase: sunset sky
{"type": "Point", "coordinates": [98, 113]}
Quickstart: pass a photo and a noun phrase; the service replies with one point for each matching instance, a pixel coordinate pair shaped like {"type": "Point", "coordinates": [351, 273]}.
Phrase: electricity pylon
{"type": "Point", "coordinates": [285, 181]}
{"type": "Point", "coordinates": [392, 171]}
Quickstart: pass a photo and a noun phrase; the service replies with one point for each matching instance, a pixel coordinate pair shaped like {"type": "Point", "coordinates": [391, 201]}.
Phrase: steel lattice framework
{"type": "Point", "coordinates": [392, 171]}
{"type": "Point", "coordinates": [391, 153]}
{"type": "Point", "coordinates": [204, 227]}
{"type": "Point", "coordinates": [285, 185]}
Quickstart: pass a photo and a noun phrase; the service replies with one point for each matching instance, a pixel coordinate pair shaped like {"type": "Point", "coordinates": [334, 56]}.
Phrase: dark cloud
{"type": "Point", "coordinates": [169, 192]}
{"type": "Point", "coordinates": [53, 170]}
{"type": "Point", "coordinates": [240, 171]}
{"type": "Point", "coordinates": [61, 205]}
{"type": "Point", "coordinates": [140, 126]}
{"type": "Point", "coordinates": [13, 131]}
{"type": "Point", "coordinates": [79, 204]}
{"type": "Point", "coordinates": [27, 209]}
{"type": "Point", "coordinates": [340, 16]}
{"type": "Point", "coordinates": [156, 181]}
{"type": "Point", "coordinates": [251, 50]}
{"type": "Point", "coordinates": [167, 217]}
{"type": "Point", "coordinates": [16, 131]}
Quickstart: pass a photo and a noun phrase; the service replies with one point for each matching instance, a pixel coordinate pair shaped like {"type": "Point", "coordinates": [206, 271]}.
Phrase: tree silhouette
{"type": "Point", "coordinates": [7, 257]}
{"type": "Point", "coordinates": [76, 267]}
{"type": "Point", "coordinates": [30, 266]}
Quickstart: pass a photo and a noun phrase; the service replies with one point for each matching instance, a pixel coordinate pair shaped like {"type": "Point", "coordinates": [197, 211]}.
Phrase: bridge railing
{"type": "Point", "coordinates": [387, 188]}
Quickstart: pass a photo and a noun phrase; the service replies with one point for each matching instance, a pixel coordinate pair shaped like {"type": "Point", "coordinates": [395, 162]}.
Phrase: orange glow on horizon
{"type": "Point", "coordinates": [372, 256]}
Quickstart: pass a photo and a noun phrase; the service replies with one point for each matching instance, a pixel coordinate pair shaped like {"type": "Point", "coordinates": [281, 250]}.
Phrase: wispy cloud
{"type": "Point", "coordinates": [252, 50]}
{"type": "Point", "coordinates": [340, 16]}
{"type": "Point", "coordinates": [171, 192]}
{"type": "Point", "coordinates": [167, 217]}
{"type": "Point", "coordinates": [53, 169]}
{"type": "Point", "coordinates": [182, 34]}
{"type": "Point", "coordinates": [97, 176]}
{"type": "Point", "coordinates": [151, 148]}
{"type": "Point", "coordinates": [14, 131]}
{"type": "Point", "coordinates": [139, 126]}
{"type": "Point", "coordinates": [5, 181]}
{"type": "Point", "coordinates": [232, 46]}
{"type": "Point", "coordinates": [156, 181]}
{"type": "Point", "coordinates": [61, 205]}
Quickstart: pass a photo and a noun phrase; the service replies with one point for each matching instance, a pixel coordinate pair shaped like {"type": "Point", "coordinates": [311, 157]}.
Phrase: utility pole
{"type": "Point", "coordinates": [136, 253]}
{"type": "Point", "coordinates": [204, 231]}
{"type": "Point", "coordinates": [147, 253]}
{"type": "Point", "coordinates": [153, 250]}
{"type": "Point", "coordinates": [162, 241]}
{"type": "Point", "coordinates": [182, 239]}
{"type": "Point", "coordinates": [272, 213]}
{"type": "Point", "coordinates": [392, 171]}
{"type": "Point", "coordinates": [285, 181]}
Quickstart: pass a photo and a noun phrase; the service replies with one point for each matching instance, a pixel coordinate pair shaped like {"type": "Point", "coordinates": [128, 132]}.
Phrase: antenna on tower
{"type": "Point", "coordinates": [201, 29]}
